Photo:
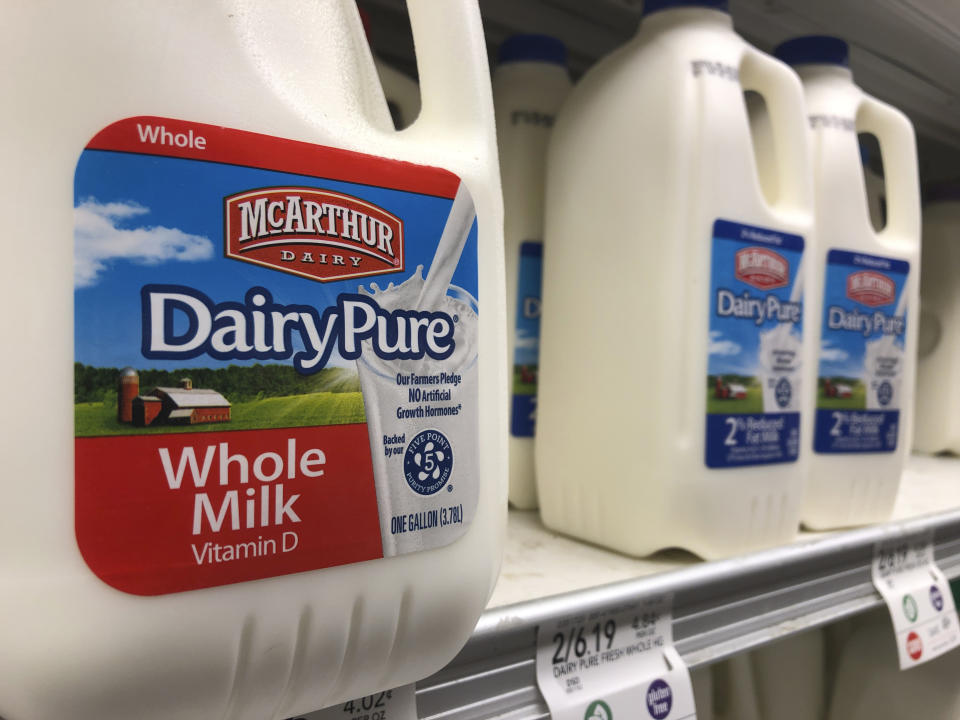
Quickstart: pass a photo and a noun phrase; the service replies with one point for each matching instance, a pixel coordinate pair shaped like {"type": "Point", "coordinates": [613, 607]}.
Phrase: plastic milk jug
{"type": "Point", "coordinates": [864, 299]}
{"type": "Point", "coordinates": [401, 91]}
{"type": "Point", "coordinates": [263, 471]}
{"type": "Point", "coordinates": [937, 425]}
{"type": "Point", "coordinates": [529, 85]}
{"type": "Point", "coordinates": [870, 685]}
{"type": "Point", "coordinates": [670, 394]}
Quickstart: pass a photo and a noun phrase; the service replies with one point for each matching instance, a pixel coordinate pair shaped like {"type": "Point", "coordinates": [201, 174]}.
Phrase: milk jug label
{"type": "Point", "coordinates": [861, 353]}
{"type": "Point", "coordinates": [526, 340]}
{"type": "Point", "coordinates": [275, 356]}
{"type": "Point", "coordinates": [754, 346]}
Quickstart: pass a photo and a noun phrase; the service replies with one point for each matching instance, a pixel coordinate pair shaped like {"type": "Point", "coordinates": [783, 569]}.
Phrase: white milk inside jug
{"type": "Point", "coordinates": [672, 358]}
{"type": "Point", "coordinates": [870, 685]}
{"type": "Point", "coordinates": [937, 422]}
{"type": "Point", "coordinates": [529, 85]}
{"type": "Point", "coordinates": [272, 475]}
{"type": "Point", "coordinates": [864, 300]}
{"type": "Point", "coordinates": [400, 90]}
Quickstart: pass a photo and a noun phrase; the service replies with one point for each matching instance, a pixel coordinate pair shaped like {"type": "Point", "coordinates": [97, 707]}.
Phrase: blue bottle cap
{"type": "Point", "coordinates": [532, 48]}
{"type": "Point", "coordinates": [652, 6]}
{"type": "Point", "coordinates": [814, 50]}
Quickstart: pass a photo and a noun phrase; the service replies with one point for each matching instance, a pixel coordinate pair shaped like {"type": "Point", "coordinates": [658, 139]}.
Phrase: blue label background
{"type": "Point", "coordinates": [188, 195]}
{"type": "Point", "coordinates": [842, 354]}
{"type": "Point", "coordinates": [527, 339]}
{"type": "Point", "coordinates": [733, 345]}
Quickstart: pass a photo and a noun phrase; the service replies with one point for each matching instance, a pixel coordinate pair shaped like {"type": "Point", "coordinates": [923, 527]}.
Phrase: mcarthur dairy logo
{"type": "Point", "coordinates": [318, 234]}
{"type": "Point", "coordinates": [762, 268]}
{"type": "Point", "coordinates": [871, 288]}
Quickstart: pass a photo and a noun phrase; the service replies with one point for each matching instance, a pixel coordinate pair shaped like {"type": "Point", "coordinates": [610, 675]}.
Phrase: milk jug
{"type": "Point", "coordinates": [529, 85]}
{"type": "Point", "coordinates": [271, 472]}
{"type": "Point", "coordinates": [400, 90]}
{"type": "Point", "coordinates": [870, 685]}
{"type": "Point", "coordinates": [937, 425]}
{"type": "Point", "coordinates": [864, 299]}
{"type": "Point", "coordinates": [671, 384]}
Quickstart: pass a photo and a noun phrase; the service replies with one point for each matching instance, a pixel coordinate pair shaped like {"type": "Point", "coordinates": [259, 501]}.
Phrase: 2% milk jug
{"type": "Point", "coordinates": [672, 353]}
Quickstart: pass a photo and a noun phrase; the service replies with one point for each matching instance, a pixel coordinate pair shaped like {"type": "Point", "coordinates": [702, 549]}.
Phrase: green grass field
{"type": "Point", "coordinates": [321, 408]}
{"type": "Point", "coordinates": [858, 401]}
{"type": "Point", "coordinates": [520, 387]}
{"type": "Point", "coordinates": [753, 403]}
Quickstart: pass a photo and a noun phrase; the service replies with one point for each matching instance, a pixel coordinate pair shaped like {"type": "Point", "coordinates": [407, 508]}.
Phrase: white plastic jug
{"type": "Point", "coordinates": [669, 411]}
{"type": "Point", "coordinates": [295, 494]}
{"type": "Point", "coordinates": [529, 85]}
{"type": "Point", "coordinates": [937, 424]}
{"type": "Point", "coordinates": [864, 299]}
{"type": "Point", "coordinates": [870, 685]}
{"type": "Point", "coordinates": [401, 90]}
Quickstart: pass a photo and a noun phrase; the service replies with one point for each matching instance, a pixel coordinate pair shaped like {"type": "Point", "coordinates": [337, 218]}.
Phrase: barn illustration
{"type": "Point", "coordinates": [836, 391]}
{"type": "Point", "coordinates": [183, 405]}
{"type": "Point", "coordinates": [728, 391]}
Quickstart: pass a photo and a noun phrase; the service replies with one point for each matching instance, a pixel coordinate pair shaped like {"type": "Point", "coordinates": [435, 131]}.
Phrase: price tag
{"type": "Point", "coordinates": [606, 665]}
{"type": "Point", "coordinates": [918, 597]}
{"type": "Point", "coordinates": [397, 704]}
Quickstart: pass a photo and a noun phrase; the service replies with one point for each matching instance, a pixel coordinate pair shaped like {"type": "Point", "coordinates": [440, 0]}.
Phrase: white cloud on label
{"type": "Point", "coordinates": [98, 240]}
{"type": "Point", "coordinates": [718, 346]}
{"type": "Point", "coordinates": [833, 354]}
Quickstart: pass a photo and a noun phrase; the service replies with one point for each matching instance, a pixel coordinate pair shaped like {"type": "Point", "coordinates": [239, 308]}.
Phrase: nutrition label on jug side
{"type": "Point", "coordinates": [754, 346]}
{"type": "Point", "coordinates": [279, 342]}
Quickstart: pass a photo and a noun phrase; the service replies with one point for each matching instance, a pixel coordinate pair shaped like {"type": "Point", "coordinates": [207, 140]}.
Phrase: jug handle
{"type": "Point", "coordinates": [783, 93]}
{"type": "Point", "coordinates": [898, 148]}
{"type": "Point", "coordinates": [453, 68]}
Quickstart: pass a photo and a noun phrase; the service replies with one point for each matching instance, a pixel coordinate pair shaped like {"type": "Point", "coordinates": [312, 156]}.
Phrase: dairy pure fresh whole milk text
{"type": "Point", "coordinates": [529, 86]}
{"type": "Point", "coordinates": [260, 468]}
{"type": "Point", "coordinates": [673, 362]}
{"type": "Point", "coordinates": [865, 295]}
{"type": "Point", "coordinates": [937, 425]}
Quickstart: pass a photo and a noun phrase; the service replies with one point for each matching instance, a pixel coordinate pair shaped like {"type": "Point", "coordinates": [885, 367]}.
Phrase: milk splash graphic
{"type": "Point", "coordinates": [422, 413]}
{"type": "Point", "coordinates": [780, 362]}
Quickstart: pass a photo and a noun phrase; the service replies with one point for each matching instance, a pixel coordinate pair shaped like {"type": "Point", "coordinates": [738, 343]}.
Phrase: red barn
{"type": "Point", "coordinates": [182, 405]}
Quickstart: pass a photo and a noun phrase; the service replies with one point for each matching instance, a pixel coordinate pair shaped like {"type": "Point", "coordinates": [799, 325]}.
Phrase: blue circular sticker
{"type": "Point", "coordinates": [936, 598]}
{"type": "Point", "coordinates": [884, 393]}
{"type": "Point", "coordinates": [784, 392]}
{"type": "Point", "coordinates": [659, 699]}
{"type": "Point", "coordinates": [428, 462]}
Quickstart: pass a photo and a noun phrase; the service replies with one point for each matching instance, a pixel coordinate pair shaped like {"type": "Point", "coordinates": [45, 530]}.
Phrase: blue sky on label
{"type": "Point", "coordinates": [842, 351]}
{"type": "Point", "coordinates": [144, 220]}
{"type": "Point", "coordinates": [733, 344]}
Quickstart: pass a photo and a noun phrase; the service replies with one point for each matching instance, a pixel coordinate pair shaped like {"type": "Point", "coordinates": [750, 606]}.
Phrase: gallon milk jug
{"type": "Point", "coordinates": [401, 91]}
{"type": "Point", "coordinates": [670, 394]}
{"type": "Point", "coordinates": [269, 476]}
{"type": "Point", "coordinates": [937, 425]}
{"type": "Point", "coordinates": [529, 85]}
{"type": "Point", "coordinates": [870, 685]}
{"type": "Point", "coordinates": [864, 298]}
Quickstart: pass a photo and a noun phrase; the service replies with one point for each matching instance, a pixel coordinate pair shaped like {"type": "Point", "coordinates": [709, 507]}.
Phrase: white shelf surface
{"type": "Point", "coordinates": [539, 563]}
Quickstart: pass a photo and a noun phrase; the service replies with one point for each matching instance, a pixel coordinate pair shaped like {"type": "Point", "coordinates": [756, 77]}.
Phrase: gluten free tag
{"type": "Point", "coordinates": [614, 664]}
{"type": "Point", "coordinates": [918, 597]}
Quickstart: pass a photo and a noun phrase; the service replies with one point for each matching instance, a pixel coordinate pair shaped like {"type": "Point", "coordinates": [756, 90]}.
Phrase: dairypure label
{"type": "Point", "coordinates": [861, 353]}
{"type": "Point", "coordinates": [276, 356]}
{"type": "Point", "coordinates": [527, 340]}
{"type": "Point", "coordinates": [754, 346]}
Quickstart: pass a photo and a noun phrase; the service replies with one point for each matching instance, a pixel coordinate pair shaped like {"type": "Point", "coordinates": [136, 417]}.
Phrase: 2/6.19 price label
{"type": "Point", "coordinates": [599, 665]}
{"type": "Point", "coordinates": [918, 597]}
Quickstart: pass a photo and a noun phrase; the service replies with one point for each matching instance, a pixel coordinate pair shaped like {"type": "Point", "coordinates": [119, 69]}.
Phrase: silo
{"type": "Point", "coordinates": [186, 384]}
{"type": "Point", "coordinates": [128, 388]}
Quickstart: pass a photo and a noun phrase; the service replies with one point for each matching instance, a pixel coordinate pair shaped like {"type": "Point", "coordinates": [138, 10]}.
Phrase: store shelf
{"type": "Point", "coordinates": [720, 608]}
